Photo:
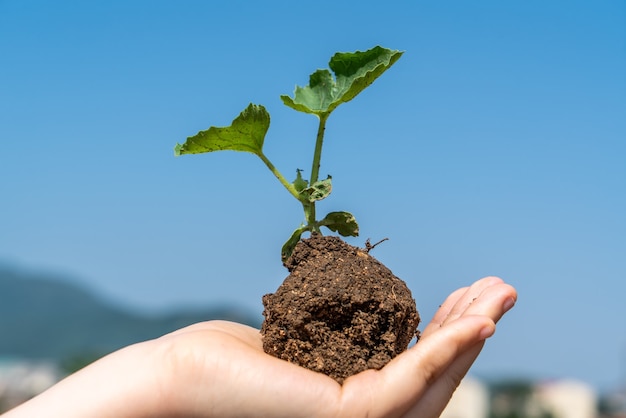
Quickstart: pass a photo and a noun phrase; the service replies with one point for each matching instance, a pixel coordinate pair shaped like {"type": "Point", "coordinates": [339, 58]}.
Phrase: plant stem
{"type": "Point", "coordinates": [315, 169]}
{"type": "Point", "coordinates": [290, 188]}
{"type": "Point", "coordinates": [319, 141]}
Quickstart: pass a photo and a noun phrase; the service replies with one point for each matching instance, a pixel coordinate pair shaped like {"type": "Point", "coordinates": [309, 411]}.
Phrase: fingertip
{"type": "Point", "coordinates": [487, 331]}
{"type": "Point", "coordinates": [508, 304]}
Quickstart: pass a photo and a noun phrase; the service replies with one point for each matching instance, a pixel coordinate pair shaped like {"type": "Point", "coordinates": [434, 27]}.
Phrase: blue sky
{"type": "Point", "coordinates": [495, 146]}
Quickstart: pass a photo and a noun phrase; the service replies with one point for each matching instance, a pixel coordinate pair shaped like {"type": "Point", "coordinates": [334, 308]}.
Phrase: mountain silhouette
{"type": "Point", "coordinates": [49, 317]}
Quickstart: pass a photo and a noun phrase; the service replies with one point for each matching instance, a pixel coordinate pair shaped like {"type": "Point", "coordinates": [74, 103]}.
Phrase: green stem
{"type": "Point", "coordinates": [319, 141]}
{"type": "Point", "coordinates": [315, 169]}
{"type": "Point", "coordinates": [290, 188]}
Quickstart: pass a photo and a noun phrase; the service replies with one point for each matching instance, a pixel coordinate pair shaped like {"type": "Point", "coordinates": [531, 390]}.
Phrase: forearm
{"type": "Point", "coordinates": [122, 385]}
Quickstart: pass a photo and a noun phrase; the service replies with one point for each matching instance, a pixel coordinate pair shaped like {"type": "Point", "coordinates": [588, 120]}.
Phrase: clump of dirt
{"type": "Point", "coordinates": [339, 311]}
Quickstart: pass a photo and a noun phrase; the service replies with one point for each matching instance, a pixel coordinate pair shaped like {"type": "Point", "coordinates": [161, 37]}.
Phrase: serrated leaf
{"type": "Point", "coordinates": [246, 133]}
{"type": "Point", "coordinates": [354, 71]}
{"type": "Point", "coordinates": [318, 190]}
{"type": "Point", "coordinates": [343, 223]}
{"type": "Point", "coordinates": [291, 243]}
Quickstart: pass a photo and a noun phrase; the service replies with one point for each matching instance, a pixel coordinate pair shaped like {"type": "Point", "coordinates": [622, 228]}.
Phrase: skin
{"type": "Point", "coordinates": [219, 369]}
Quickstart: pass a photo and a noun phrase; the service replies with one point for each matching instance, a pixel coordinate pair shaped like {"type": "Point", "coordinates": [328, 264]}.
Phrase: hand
{"type": "Point", "coordinates": [219, 369]}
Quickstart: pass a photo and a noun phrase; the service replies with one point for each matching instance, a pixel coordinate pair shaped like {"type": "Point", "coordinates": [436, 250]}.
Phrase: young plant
{"type": "Point", "coordinates": [353, 72]}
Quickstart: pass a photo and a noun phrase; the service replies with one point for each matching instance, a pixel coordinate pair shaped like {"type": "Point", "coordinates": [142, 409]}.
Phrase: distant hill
{"type": "Point", "coordinates": [51, 318]}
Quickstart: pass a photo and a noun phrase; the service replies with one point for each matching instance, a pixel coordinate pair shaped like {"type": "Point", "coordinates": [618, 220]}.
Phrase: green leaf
{"type": "Point", "coordinates": [246, 133]}
{"type": "Point", "coordinates": [342, 223]}
{"type": "Point", "coordinates": [354, 71]}
{"type": "Point", "coordinates": [291, 243]}
{"type": "Point", "coordinates": [299, 183]}
{"type": "Point", "coordinates": [318, 190]}
{"type": "Point", "coordinates": [316, 97]}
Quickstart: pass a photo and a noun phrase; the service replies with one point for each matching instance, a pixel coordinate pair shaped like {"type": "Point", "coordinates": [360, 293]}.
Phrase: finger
{"type": "Point", "coordinates": [437, 396]}
{"type": "Point", "coordinates": [395, 388]}
{"type": "Point", "coordinates": [459, 300]}
{"type": "Point", "coordinates": [472, 294]}
{"type": "Point", "coordinates": [443, 311]}
{"type": "Point", "coordinates": [493, 302]}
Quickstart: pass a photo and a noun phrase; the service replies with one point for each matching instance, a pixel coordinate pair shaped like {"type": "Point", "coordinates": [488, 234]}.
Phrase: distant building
{"type": "Point", "coordinates": [21, 380]}
{"type": "Point", "coordinates": [554, 399]}
{"type": "Point", "coordinates": [567, 398]}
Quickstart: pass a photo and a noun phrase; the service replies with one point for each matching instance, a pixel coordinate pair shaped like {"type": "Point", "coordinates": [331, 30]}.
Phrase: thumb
{"type": "Point", "coordinates": [401, 384]}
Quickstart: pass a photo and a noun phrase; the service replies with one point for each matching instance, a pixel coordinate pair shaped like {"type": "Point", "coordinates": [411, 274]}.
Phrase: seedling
{"type": "Point", "coordinates": [339, 311]}
{"type": "Point", "coordinates": [353, 72]}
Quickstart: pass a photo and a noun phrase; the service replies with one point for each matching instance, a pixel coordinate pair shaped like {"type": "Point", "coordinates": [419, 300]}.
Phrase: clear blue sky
{"type": "Point", "coordinates": [495, 146]}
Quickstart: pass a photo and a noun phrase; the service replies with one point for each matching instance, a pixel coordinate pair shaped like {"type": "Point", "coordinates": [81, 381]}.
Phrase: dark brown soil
{"type": "Point", "coordinates": [339, 312]}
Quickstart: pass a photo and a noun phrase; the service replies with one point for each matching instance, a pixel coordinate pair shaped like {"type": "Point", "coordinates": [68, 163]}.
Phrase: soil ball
{"type": "Point", "coordinates": [339, 312]}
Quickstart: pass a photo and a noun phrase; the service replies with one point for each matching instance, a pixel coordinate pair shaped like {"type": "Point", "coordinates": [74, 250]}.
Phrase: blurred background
{"type": "Point", "coordinates": [495, 146]}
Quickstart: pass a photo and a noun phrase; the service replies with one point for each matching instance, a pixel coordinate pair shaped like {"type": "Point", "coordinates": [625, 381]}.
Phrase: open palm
{"type": "Point", "coordinates": [220, 368]}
